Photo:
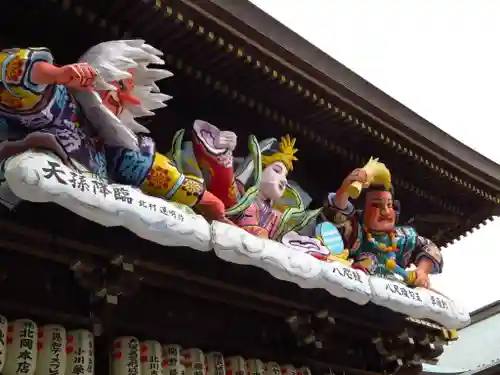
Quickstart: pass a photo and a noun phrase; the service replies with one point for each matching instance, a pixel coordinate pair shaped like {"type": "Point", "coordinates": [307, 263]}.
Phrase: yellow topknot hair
{"type": "Point", "coordinates": [286, 154]}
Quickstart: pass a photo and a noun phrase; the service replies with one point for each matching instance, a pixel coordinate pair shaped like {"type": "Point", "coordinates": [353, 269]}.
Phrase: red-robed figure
{"type": "Point", "coordinates": [250, 196]}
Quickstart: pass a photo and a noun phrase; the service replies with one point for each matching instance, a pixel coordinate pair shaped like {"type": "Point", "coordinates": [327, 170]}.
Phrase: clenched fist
{"type": "Point", "coordinates": [81, 76]}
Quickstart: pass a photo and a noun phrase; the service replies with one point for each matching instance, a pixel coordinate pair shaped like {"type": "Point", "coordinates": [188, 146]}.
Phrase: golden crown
{"type": "Point", "coordinates": [286, 153]}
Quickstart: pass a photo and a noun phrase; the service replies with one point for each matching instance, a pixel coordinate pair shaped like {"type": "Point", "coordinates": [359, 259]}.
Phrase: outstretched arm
{"type": "Point", "coordinates": [44, 73]}
{"type": "Point", "coordinates": [80, 75]}
{"type": "Point", "coordinates": [27, 73]}
{"type": "Point", "coordinates": [428, 259]}
{"type": "Point", "coordinates": [337, 212]}
{"type": "Point", "coordinates": [427, 256]}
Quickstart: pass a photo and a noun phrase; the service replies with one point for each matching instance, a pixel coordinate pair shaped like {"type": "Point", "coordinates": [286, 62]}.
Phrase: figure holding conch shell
{"type": "Point", "coordinates": [376, 244]}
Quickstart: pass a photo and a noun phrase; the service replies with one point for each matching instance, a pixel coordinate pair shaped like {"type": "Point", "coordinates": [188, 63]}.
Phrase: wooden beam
{"type": "Point", "coordinates": [67, 250]}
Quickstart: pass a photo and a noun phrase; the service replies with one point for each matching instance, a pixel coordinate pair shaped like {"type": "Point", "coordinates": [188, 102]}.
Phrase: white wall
{"type": "Point", "coordinates": [478, 346]}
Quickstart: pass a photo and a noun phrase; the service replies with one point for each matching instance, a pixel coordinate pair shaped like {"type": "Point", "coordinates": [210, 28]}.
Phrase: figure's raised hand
{"type": "Point", "coordinates": [226, 140]}
{"type": "Point", "coordinates": [357, 175]}
{"type": "Point", "coordinates": [342, 195]}
{"type": "Point", "coordinates": [80, 76]}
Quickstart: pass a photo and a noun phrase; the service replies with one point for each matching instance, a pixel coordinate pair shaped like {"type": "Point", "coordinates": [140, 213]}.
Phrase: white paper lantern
{"type": "Point", "coordinates": [3, 340]}
{"type": "Point", "coordinates": [91, 364]}
{"type": "Point", "coordinates": [172, 360]}
{"type": "Point", "coordinates": [272, 368]}
{"type": "Point", "coordinates": [172, 355]}
{"type": "Point", "coordinates": [51, 350]}
{"type": "Point", "coordinates": [255, 367]}
{"type": "Point", "coordinates": [125, 356]}
{"type": "Point", "coordinates": [22, 342]}
{"type": "Point", "coordinates": [80, 349]}
{"type": "Point", "coordinates": [174, 369]}
{"type": "Point", "coordinates": [236, 366]}
{"type": "Point", "coordinates": [151, 358]}
{"type": "Point", "coordinates": [194, 361]}
{"type": "Point", "coordinates": [215, 364]}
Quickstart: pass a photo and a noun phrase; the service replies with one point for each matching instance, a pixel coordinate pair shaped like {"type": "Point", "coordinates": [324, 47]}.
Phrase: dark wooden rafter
{"type": "Point", "coordinates": [246, 302]}
{"type": "Point", "coordinates": [217, 10]}
{"type": "Point", "coordinates": [159, 269]}
{"type": "Point", "coordinates": [290, 125]}
{"type": "Point", "coordinates": [185, 271]}
{"type": "Point", "coordinates": [205, 317]}
{"type": "Point", "coordinates": [182, 269]}
{"type": "Point", "coordinates": [242, 53]}
{"type": "Point", "coordinates": [175, 318]}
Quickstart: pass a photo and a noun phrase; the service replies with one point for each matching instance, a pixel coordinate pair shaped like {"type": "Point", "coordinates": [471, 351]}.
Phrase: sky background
{"type": "Point", "coordinates": [441, 59]}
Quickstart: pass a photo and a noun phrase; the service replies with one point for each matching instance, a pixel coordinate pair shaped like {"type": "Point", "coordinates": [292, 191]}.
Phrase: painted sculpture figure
{"type": "Point", "coordinates": [86, 114]}
{"type": "Point", "coordinates": [376, 244]}
{"type": "Point", "coordinates": [255, 192]}
{"type": "Point", "coordinates": [67, 132]}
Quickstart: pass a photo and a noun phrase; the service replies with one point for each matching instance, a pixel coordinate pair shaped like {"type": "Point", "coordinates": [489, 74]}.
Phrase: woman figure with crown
{"type": "Point", "coordinates": [86, 114]}
{"type": "Point", "coordinates": [256, 194]}
{"type": "Point", "coordinates": [376, 244]}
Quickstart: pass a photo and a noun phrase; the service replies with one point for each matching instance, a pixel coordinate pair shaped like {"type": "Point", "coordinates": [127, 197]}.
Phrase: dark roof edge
{"type": "Point", "coordinates": [489, 369]}
{"type": "Point", "coordinates": [258, 26]}
{"type": "Point", "coordinates": [485, 312]}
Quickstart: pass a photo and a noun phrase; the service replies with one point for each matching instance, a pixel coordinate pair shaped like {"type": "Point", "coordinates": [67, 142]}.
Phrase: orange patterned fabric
{"type": "Point", "coordinates": [17, 89]}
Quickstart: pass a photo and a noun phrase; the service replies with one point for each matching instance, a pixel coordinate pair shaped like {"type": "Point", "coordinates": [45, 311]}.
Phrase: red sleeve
{"type": "Point", "coordinates": [221, 181]}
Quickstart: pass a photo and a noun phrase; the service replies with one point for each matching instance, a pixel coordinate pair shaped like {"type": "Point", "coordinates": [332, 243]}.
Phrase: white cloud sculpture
{"type": "Point", "coordinates": [41, 177]}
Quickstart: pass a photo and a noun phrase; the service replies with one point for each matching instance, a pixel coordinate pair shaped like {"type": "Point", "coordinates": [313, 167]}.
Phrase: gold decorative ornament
{"type": "Point", "coordinates": [286, 153]}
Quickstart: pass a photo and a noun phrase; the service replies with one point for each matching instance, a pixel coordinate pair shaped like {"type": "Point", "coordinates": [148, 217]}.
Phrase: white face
{"type": "Point", "coordinates": [274, 181]}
